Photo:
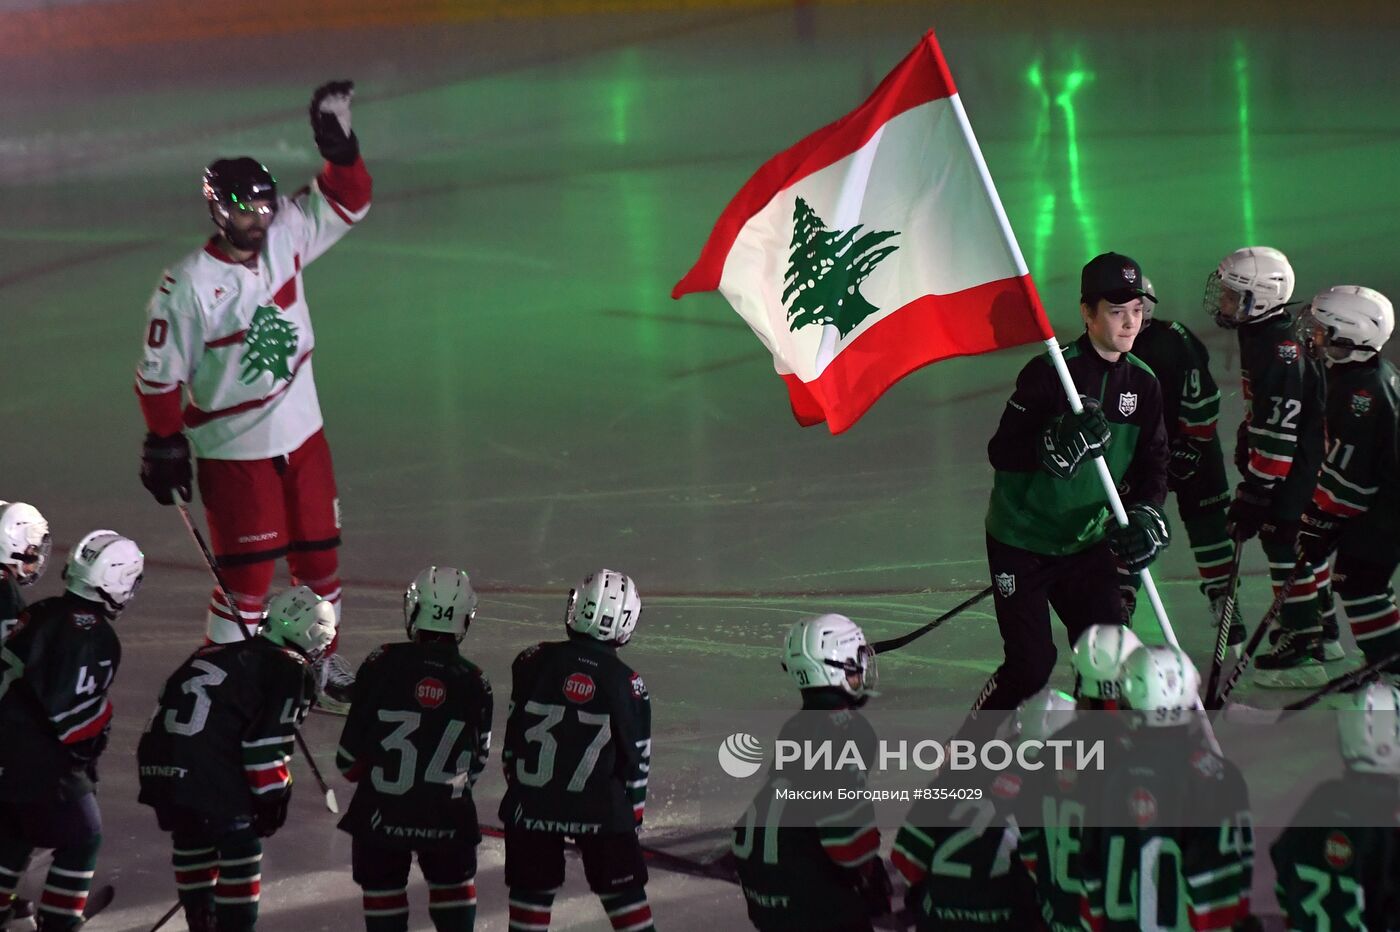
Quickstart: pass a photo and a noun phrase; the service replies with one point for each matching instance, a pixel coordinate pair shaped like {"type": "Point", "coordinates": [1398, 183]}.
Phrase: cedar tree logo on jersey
{"type": "Point", "coordinates": [430, 692]}
{"type": "Point", "coordinates": [579, 688]}
{"type": "Point", "coordinates": [825, 271]}
{"type": "Point", "coordinates": [1006, 584]}
{"type": "Point", "coordinates": [1361, 403]}
{"type": "Point", "coordinates": [1288, 351]}
{"type": "Point", "coordinates": [741, 755]}
{"type": "Point", "coordinates": [1127, 403]}
{"type": "Point", "coordinates": [270, 342]}
{"type": "Point", "coordinates": [1337, 850]}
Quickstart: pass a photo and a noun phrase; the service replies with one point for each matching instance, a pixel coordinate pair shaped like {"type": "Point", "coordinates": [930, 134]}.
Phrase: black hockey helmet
{"type": "Point", "coordinates": [234, 183]}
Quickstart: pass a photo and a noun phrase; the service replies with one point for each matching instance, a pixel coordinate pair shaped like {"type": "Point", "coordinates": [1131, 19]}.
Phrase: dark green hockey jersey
{"type": "Point", "coordinates": [11, 604]}
{"type": "Point", "coordinates": [798, 848]}
{"type": "Point", "coordinates": [224, 729]}
{"type": "Point", "coordinates": [1336, 868]}
{"type": "Point", "coordinates": [55, 671]}
{"type": "Point", "coordinates": [1279, 447]}
{"type": "Point", "coordinates": [1168, 842]}
{"type": "Point", "coordinates": [578, 740]}
{"type": "Point", "coordinates": [1035, 511]}
{"type": "Point", "coordinates": [417, 737]}
{"type": "Point", "coordinates": [1359, 483]}
{"type": "Point", "coordinates": [1190, 397]}
{"type": "Point", "coordinates": [958, 855]}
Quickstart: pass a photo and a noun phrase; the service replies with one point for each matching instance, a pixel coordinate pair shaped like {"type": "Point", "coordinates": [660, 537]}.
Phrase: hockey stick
{"type": "Point", "coordinates": [98, 900]}
{"type": "Point", "coordinates": [1248, 715]}
{"type": "Point", "coordinates": [169, 914]}
{"type": "Point", "coordinates": [881, 647]}
{"type": "Point", "coordinates": [1222, 636]}
{"type": "Point", "coordinates": [1255, 639]}
{"type": "Point", "coordinates": [327, 793]}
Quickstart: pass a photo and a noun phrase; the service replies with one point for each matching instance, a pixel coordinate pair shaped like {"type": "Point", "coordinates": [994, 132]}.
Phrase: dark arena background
{"type": "Point", "coordinates": [508, 387]}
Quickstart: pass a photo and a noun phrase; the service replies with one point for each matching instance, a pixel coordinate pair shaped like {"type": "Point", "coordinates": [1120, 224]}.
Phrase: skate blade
{"type": "Point", "coordinates": [1309, 676]}
{"type": "Point", "coordinates": [328, 706]}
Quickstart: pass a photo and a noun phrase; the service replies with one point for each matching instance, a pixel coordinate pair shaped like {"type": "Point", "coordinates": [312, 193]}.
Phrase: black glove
{"type": "Point", "coordinates": [1070, 438]}
{"type": "Point", "coordinates": [1184, 461]}
{"type": "Point", "coordinates": [872, 882]}
{"type": "Point", "coordinates": [330, 122]}
{"type": "Point", "coordinates": [165, 467]}
{"type": "Point", "coordinates": [269, 814]}
{"type": "Point", "coordinates": [1249, 511]}
{"type": "Point", "coordinates": [1317, 537]}
{"type": "Point", "coordinates": [1138, 543]}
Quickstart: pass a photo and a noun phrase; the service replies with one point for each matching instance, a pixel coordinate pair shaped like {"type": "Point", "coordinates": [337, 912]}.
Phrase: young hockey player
{"type": "Point", "coordinates": [576, 757]}
{"type": "Point", "coordinates": [1278, 451]}
{"type": "Point", "coordinates": [807, 863]}
{"type": "Point", "coordinates": [959, 856]}
{"type": "Point", "coordinates": [1168, 842]}
{"type": "Point", "coordinates": [55, 671]}
{"type": "Point", "coordinates": [1358, 490]}
{"type": "Point", "coordinates": [1049, 540]}
{"type": "Point", "coordinates": [417, 738]}
{"type": "Point", "coordinates": [213, 762]}
{"type": "Point", "coordinates": [225, 377]}
{"type": "Point", "coordinates": [1196, 470]}
{"type": "Point", "coordinates": [1337, 865]}
{"type": "Point", "coordinates": [1049, 803]}
{"type": "Point", "coordinates": [24, 552]}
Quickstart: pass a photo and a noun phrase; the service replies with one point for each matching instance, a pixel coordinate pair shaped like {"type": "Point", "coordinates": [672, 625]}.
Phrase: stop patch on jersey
{"type": "Point", "coordinates": [639, 689]}
{"type": "Point", "coordinates": [430, 692]}
{"type": "Point", "coordinates": [1338, 850]}
{"type": "Point", "coordinates": [579, 687]}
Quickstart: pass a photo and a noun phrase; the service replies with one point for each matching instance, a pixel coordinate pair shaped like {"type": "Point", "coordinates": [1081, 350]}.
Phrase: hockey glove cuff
{"type": "Point", "coordinates": [1248, 511]}
{"type": "Point", "coordinates": [1139, 542]}
{"type": "Point", "coordinates": [330, 122]}
{"type": "Point", "coordinates": [1317, 536]}
{"type": "Point", "coordinates": [1184, 461]}
{"type": "Point", "coordinates": [1071, 438]}
{"type": "Point", "coordinates": [165, 467]}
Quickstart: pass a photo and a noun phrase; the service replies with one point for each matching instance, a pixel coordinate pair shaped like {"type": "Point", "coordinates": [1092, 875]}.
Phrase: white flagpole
{"type": "Point", "coordinates": [1067, 383]}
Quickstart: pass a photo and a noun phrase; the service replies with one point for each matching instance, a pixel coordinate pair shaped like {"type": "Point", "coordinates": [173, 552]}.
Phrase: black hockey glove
{"type": "Point", "coordinates": [1317, 536]}
{"type": "Point", "coordinates": [330, 122]}
{"type": "Point", "coordinates": [1249, 511]}
{"type": "Point", "coordinates": [269, 814]}
{"type": "Point", "coordinates": [1145, 536]}
{"type": "Point", "coordinates": [165, 467]}
{"type": "Point", "coordinates": [872, 882]}
{"type": "Point", "coordinates": [1184, 461]}
{"type": "Point", "coordinates": [1070, 438]}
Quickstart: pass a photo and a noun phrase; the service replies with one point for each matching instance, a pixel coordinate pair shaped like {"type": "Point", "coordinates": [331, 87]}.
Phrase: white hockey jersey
{"type": "Point", "coordinates": [240, 339]}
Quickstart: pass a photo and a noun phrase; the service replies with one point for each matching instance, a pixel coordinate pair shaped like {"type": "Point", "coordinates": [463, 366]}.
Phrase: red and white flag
{"type": "Point", "coordinates": [873, 247]}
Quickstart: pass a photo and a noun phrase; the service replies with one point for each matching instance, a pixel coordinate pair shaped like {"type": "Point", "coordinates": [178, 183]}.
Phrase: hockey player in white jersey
{"type": "Point", "coordinates": [225, 379]}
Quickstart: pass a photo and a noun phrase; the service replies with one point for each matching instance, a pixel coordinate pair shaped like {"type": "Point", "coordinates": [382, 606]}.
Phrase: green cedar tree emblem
{"type": "Point", "coordinates": [269, 345]}
{"type": "Point", "coordinates": [825, 271]}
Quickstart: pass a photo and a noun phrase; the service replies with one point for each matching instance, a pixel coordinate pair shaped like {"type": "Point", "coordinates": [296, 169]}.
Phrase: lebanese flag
{"type": "Point", "coordinates": [873, 247]}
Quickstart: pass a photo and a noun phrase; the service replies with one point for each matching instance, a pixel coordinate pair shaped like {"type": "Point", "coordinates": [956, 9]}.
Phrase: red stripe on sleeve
{"type": "Point", "coordinates": [162, 412]}
{"type": "Point", "coordinates": [347, 187]}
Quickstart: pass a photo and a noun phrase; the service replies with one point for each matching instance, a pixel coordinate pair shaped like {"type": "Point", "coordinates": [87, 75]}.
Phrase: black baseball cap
{"type": "Point", "coordinates": [1113, 276]}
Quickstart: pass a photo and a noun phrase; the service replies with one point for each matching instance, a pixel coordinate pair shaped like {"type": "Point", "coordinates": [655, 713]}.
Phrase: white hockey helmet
{"type": "Point", "coordinates": [829, 650]}
{"type": "Point", "coordinates": [1368, 727]}
{"type": "Point", "coordinates": [1043, 714]}
{"type": "Point", "coordinates": [24, 542]}
{"type": "Point", "coordinates": [605, 606]}
{"type": "Point", "coordinates": [1249, 284]}
{"type": "Point", "coordinates": [440, 599]}
{"type": "Point", "coordinates": [105, 567]}
{"type": "Point", "coordinates": [301, 619]}
{"type": "Point", "coordinates": [1162, 684]}
{"type": "Point", "coordinates": [1098, 660]}
{"type": "Point", "coordinates": [1346, 323]}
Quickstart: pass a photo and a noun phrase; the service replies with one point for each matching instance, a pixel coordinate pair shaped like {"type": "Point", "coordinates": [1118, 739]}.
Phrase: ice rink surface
{"type": "Point", "coordinates": [508, 387]}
